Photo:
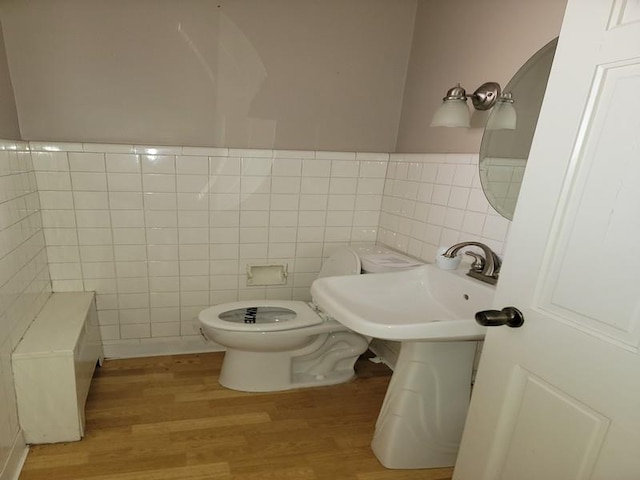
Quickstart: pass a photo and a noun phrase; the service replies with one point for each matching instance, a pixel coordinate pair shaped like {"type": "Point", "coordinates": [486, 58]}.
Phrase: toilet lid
{"type": "Point", "coordinates": [343, 261]}
{"type": "Point", "coordinates": [260, 316]}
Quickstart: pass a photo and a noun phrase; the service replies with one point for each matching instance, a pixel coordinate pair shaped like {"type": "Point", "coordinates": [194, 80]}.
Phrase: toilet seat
{"type": "Point", "coordinates": [260, 316]}
{"type": "Point", "coordinates": [278, 315]}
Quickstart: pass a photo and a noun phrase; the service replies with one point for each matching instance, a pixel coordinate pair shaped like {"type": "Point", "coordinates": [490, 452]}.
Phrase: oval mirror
{"type": "Point", "coordinates": [504, 153]}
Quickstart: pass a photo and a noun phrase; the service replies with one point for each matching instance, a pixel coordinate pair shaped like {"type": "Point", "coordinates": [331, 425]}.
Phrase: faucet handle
{"type": "Point", "coordinates": [478, 261]}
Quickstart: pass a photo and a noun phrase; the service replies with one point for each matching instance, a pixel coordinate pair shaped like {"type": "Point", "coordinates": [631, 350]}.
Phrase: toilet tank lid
{"type": "Point", "coordinates": [344, 261]}
{"type": "Point", "coordinates": [387, 262]}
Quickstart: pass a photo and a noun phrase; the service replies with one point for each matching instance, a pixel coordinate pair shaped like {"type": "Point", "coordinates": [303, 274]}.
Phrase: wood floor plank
{"type": "Point", "coordinates": [167, 418]}
{"type": "Point", "coordinates": [197, 423]}
{"type": "Point", "coordinates": [191, 472]}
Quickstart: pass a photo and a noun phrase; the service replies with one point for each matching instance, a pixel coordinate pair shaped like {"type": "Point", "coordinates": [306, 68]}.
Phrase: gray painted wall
{"type": "Point", "coordinates": [285, 74]}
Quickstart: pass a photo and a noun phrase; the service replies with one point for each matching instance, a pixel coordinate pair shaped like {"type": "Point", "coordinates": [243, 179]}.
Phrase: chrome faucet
{"type": "Point", "coordinates": [484, 268]}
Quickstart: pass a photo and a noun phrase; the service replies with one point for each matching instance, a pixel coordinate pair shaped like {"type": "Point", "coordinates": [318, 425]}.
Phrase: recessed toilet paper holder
{"type": "Point", "coordinates": [267, 274]}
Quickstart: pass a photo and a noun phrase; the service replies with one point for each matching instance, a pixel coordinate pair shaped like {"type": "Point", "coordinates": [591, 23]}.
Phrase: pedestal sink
{"type": "Point", "coordinates": [432, 312]}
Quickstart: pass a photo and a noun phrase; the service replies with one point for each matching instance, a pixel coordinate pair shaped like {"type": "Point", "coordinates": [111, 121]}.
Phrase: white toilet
{"type": "Point", "coordinates": [283, 344]}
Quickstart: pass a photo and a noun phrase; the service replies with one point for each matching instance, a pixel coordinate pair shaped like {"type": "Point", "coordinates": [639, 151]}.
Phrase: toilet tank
{"type": "Point", "coordinates": [380, 259]}
{"type": "Point", "coordinates": [353, 260]}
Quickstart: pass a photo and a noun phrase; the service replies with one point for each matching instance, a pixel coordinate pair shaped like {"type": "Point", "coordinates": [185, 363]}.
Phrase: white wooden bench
{"type": "Point", "coordinates": [53, 365]}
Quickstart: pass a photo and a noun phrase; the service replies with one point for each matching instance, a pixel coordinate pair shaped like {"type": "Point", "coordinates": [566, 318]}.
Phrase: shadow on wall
{"type": "Point", "coordinates": [9, 127]}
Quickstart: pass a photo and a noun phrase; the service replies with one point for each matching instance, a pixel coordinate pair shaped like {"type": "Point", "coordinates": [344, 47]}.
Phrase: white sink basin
{"type": "Point", "coordinates": [432, 312]}
{"type": "Point", "coordinates": [425, 303]}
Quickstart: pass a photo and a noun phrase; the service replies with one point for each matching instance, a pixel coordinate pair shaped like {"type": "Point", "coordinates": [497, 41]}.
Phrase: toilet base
{"type": "Point", "coordinates": [328, 360]}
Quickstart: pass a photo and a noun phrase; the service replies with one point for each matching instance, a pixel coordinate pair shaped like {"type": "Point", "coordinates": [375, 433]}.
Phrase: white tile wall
{"type": "Point", "coordinates": [433, 200]}
{"type": "Point", "coordinates": [163, 232]}
{"type": "Point", "coordinates": [24, 279]}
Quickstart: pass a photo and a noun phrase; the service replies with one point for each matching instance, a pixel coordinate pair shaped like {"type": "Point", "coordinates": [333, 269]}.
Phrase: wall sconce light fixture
{"type": "Point", "coordinates": [454, 111]}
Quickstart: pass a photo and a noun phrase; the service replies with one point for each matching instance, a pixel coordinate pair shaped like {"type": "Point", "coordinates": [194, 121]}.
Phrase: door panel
{"type": "Point", "coordinates": [559, 398]}
{"type": "Point", "coordinates": [545, 412]}
{"type": "Point", "coordinates": [624, 12]}
{"type": "Point", "coordinates": [597, 232]}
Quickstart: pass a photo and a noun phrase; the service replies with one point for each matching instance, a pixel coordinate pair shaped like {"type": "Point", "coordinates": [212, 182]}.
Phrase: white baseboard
{"type": "Point", "coordinates": [16, 458]}
{"type": "Point", "coordinates": [152, 347]}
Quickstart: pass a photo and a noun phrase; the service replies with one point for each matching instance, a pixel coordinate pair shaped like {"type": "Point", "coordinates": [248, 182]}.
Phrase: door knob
{"type": "Point", "coordinates": [509, 316]}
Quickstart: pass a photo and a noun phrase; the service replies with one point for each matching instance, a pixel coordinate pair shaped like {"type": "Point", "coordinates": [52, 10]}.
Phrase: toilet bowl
{"type": "Point", "coordinates": [276, 345]}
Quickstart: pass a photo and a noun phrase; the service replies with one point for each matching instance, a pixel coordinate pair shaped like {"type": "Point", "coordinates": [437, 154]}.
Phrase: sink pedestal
{"type": "Point", "coordinates": [424, 410]}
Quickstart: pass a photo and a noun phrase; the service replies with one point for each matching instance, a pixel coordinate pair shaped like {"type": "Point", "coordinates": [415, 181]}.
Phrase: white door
{"type": "Point", "coordinates": [559, 398]}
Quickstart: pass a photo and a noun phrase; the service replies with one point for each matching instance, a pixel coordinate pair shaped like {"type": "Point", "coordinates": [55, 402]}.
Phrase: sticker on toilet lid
{"type": "Point", "coordinates": [250, 314]}
{"type": "Point", "coordinates": [258, 315]}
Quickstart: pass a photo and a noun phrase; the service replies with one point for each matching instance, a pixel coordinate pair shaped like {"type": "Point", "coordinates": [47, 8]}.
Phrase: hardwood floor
{"type": "Point", "coordinates": [166, 418]}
